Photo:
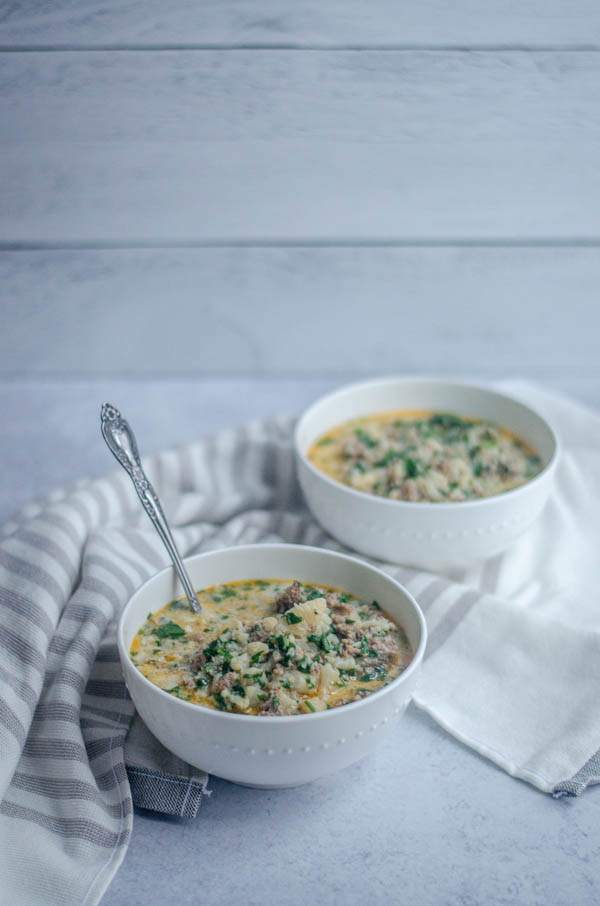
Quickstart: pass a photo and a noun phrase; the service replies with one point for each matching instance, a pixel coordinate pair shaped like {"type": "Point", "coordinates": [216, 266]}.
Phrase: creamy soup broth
{"type": "Point", "coordinates": [271, 647]}
{"type": "Point", "coordinates": [425, 456]}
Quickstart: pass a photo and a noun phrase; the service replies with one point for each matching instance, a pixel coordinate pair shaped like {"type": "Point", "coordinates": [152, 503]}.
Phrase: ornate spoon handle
{"type": "Point", "coordinates": [121, 443]}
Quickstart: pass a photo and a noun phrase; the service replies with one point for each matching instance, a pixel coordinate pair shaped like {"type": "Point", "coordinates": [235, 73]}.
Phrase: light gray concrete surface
{"type": "Point", "coordinates": [424, 820]}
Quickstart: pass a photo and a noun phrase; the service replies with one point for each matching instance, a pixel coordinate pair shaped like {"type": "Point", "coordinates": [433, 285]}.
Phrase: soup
{"type": "Point", "coordinates": [425, 456]}
{"type": "Point", "coordinates": [271, 647]}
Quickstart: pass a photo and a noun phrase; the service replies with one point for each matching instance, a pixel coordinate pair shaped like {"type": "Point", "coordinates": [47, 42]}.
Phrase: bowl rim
{"type": "Point", "coordinates": [416, 505]}
{"type": "Point", "coordinates": [412, 667]}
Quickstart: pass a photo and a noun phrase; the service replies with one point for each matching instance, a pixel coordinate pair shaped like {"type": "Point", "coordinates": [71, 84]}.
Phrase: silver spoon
{"type": "Point", "coordinates": [121, 443]}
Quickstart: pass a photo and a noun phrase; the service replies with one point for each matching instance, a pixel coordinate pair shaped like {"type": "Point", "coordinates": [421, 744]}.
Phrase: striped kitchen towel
{"type": "Point", "coordinates": [503, 671]}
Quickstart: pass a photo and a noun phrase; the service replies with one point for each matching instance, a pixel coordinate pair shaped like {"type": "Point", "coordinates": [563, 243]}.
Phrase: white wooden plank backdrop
{"type": "Point", "coordinates": [302, 311]}
{"type": "Point", "coordinates": [273, 22]}
{"type": "Point", "coordinates": [430, 207]}
{"type": "Point", "coordinates": [399, 97]}
{"type": "Point", "coordinates": [298, 191]}
{"type": "Point", "coordinates": [285, 145]}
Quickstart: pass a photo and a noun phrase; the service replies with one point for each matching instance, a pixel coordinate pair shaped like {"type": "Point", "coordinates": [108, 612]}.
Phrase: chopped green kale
{"type": "Point", "coordinates": [365, 438]}
{"type": "Point", "coordinates": [169, 630]}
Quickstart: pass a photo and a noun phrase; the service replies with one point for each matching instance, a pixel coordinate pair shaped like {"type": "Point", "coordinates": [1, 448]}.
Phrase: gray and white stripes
{"type": "Point", "coordinates": [68, 564]}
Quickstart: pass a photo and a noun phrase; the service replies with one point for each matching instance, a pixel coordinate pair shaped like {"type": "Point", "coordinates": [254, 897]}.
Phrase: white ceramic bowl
{"type": "Point", "coordinates": [273, 751]}
{"type": "Point", "coordinates": [429, 535]}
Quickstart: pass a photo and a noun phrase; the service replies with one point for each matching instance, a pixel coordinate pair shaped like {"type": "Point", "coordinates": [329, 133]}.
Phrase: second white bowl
{"type": "Point", "coordinates": [429, 535]}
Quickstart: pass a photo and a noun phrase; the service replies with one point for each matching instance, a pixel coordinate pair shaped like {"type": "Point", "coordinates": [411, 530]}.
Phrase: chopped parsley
{"type": "Point", "coordinates": [221, 703]}
{"type": "Point", "coordinates": [365, 438]}
{"type": "Point", "coordinates": [390, 457]}
{"type": "Point", "coordinates": [169, 630]}
{"type": "Point", "coordinates": [375, 673]}
{"type": "Point", "coordinates": [444, 421]}
{"type": "Point", "coordinates": [292, 617]}
{"type": "Point", "coordinates": [285, 642]}
{"type": "Point", "coordinates": [217, 648]}
{"type": "Point", "coordinates": [326, 641]}
{"type": "Point", "coordinates": [410, 467]}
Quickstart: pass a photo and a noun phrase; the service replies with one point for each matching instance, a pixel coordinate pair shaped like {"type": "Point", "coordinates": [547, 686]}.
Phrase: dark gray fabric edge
{"type": "Point", "coordinates": [166, 794]}
{"type": "Point", "coordinates": [587, 776]}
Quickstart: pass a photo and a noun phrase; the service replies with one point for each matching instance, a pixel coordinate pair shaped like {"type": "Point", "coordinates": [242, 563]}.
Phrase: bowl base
{"type": "Point", "coordinates": [269, 786]}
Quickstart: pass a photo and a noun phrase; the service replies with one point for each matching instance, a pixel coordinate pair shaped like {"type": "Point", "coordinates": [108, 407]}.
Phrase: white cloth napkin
{"type": "Point", "coordinates": [515, 672]}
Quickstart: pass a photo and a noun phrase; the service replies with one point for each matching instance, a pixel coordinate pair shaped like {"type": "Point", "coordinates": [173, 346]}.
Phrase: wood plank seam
{"type": "Point", "coordinates": [19, 245]}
